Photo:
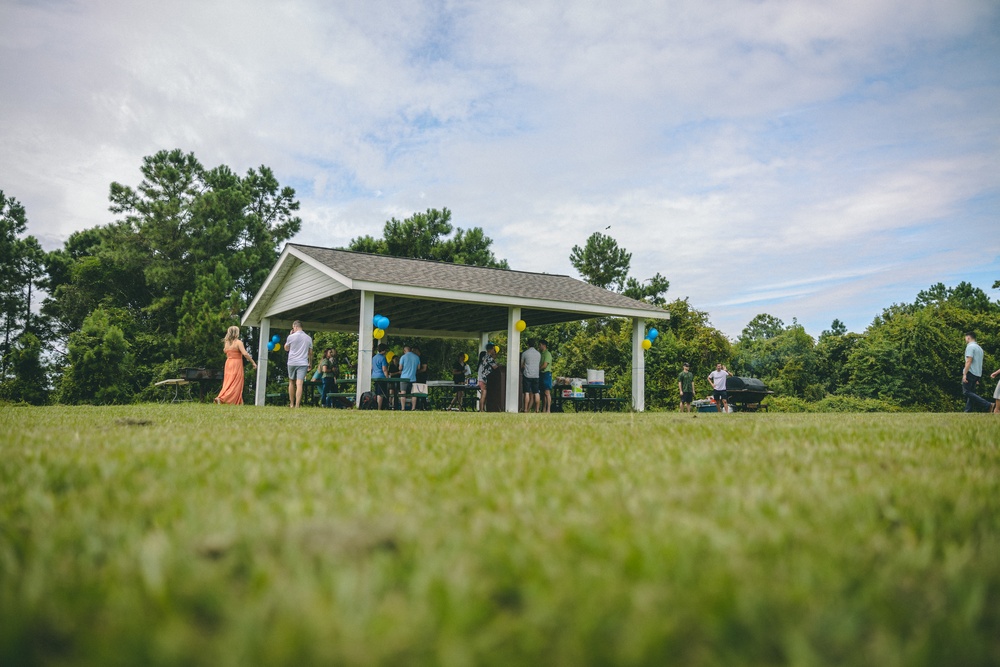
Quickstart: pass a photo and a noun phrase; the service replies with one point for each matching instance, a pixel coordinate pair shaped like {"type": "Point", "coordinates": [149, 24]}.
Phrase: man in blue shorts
{"type": "Point", "coordinates": [545, 375]}
{"type": "Point", "coordinates": [299, 347]}
{"type": "Point", "coordinates": [531, 359]}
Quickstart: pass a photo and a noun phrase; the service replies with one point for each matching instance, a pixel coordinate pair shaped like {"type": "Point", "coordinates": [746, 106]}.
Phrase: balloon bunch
{"type": "Point", "coordinates": [274, 345]}
{"type": "Point", "coordinates": [650, 337]}
{"type": "Point", "coordinates": [381, 323]}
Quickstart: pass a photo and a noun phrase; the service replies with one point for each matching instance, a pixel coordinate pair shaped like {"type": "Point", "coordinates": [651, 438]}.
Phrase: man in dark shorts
{"type": "Point", "coordinates": [530, 361]}
{"type": "Point", "coordinates": [380, 371]}
{"type": "Point", "coordinates": [685, 385]}
{"type": "Point", "coordinates": [460, 372]}
{"type": "Point", "coordinates": [408, 365]}
{"type": "Point", "coordinates": [718, 380]}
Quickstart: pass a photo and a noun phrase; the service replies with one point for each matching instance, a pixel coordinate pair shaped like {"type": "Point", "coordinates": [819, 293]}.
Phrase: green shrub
{"type": "Point", "coordinates": [853, 404]}
{"type": "Point", "coordinates": [788, 404]}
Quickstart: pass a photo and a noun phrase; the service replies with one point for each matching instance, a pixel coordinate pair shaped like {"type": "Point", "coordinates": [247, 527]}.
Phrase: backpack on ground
{"type": "Point", "coordinates": [368, 401]}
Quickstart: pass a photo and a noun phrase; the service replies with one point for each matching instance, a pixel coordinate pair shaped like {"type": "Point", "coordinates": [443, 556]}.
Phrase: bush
{"type": "Point", "coordinates": [854, 404]}
{"type": "Point", "coordinates": [831, 404]}
{"type": "Point", "coordinates": [787, 404]}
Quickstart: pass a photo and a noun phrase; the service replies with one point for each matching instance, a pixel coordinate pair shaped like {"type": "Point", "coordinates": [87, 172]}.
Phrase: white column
{"type": "Point", "coordinates": [484, 337]}
{"type": "Point", "coordinates": [365, 351]}
{"type": "Point", "coordinates": [513, 360]}
{"type": "Point", "coordinates": [638, 365]}
{"type": "Point", "coordinates": [260, 393]}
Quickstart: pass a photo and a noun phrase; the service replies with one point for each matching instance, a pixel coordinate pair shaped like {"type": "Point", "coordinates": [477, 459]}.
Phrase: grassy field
{"type": "Point", "coordinates": [195, 534]}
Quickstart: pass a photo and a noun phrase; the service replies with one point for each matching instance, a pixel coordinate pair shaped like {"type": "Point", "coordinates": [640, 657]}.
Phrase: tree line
{"type": "Point", "coordinates": [125, 304]}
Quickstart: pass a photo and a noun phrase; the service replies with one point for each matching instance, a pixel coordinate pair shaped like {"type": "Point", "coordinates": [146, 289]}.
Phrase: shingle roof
{"type": "Point", "coordinates": [471, 279]}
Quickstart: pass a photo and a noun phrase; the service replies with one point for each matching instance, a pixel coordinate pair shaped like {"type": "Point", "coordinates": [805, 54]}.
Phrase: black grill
{"type": "Point", "coordinates": [746, 394]}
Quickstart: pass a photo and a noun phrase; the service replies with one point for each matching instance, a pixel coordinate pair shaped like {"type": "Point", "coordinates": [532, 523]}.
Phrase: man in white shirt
{"type": "Point", "coordinates": [531, 359]}
{"type": "Point", "coordinates": [718, 380]}
{"type": "Point", "coordinates": [299, 347]}
{"type": "Point", "coordinates": [971, 374]}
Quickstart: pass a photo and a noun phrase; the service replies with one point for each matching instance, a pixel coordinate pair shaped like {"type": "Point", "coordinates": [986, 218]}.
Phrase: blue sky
{"type": "Point", "coordinates": [806, 159]}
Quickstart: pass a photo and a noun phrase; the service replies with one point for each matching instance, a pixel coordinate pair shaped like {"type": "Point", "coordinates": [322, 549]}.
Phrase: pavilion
{"type": "Point", "coordinates": [340, 290]}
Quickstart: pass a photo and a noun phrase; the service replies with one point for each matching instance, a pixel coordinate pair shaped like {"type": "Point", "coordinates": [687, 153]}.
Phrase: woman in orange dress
{"type": "Point", "coordinates": [232, 384]}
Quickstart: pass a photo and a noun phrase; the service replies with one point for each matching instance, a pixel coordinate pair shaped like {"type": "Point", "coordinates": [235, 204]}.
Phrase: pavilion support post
{"type": "Point", "coordinates": [513, 360]}
{"type": "Point", "coordinates": [365, 344]}
{"type": "Point", "coordinates": [260, 392]}
{"type": "Point", "coordinates": [484, 338]}
{"type": "Point", "coordinates": [638, 365]}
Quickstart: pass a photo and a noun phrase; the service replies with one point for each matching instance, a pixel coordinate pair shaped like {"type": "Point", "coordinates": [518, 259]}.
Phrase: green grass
{"type": "Point", "coordinates": [195, 534]}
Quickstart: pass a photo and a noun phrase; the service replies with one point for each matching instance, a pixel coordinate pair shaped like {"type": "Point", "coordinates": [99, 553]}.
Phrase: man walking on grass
{"type": "Point", "coordinates": [685, 386]}
{"type": "Point", "coordinates": [299, 347]}
{"type": "Point", "coordinates": [718, 380]}
{"type": "Point", "coordinates": [971, 374]}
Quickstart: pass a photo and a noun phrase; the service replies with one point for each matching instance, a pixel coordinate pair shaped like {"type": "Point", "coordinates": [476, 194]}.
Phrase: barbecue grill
{"type": "Point", "coordinates": [746, 394]}
{"type": "Point", "coordinates": [193, 374]}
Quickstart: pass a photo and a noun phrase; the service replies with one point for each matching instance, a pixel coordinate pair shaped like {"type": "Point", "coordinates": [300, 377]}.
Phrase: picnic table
{"type": "Point", "coordinates": [471, 391]}
{"type": "Point", "coordinates": [594, 399]}
{"type": "Point", "coordinates": [174, 396]}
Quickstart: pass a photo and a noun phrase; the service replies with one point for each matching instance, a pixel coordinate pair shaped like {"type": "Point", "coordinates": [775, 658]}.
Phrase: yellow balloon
{"type": "Point", "coordinates": [277, 347]}
{"type": "Point", "coordinates": [520, 325]}
{"type": "Point", "coordinates": [646, 344]}
{"type": "Point", "coordinates": [389, 355]}
{"type": "Point", "coordinates": [497, 348]}
{"type": "Point", "coordinates": [378, 334]}
{"type": "Point", "coordinates": [465, 358]}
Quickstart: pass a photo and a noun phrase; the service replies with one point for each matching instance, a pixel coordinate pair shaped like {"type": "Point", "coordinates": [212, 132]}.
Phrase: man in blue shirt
{"type": "Point", "coordinates": [380, 371]}
{"type": "Point", "coordinates": [409, 363]}
{"type": "Point", "coordinates": [971, 375]}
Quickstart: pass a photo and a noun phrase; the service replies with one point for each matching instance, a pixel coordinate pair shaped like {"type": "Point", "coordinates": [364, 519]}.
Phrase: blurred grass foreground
{"type": "Point", "coordinates": [206, 535]}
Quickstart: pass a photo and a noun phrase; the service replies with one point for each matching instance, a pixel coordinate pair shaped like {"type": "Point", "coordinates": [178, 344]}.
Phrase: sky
{"type": "Point", "coordinates": [811, 160]}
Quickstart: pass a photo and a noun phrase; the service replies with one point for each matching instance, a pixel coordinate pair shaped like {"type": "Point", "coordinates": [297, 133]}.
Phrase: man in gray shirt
{"type": "Point", "coordinates": [299, 347]}
{"type": "Point", "coordinates": [530, 361]}
{"type": "Point", "coordinates": [971, 374]}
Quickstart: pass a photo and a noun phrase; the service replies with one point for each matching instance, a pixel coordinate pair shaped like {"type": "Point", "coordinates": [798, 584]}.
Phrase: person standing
{"type": "Point", "coordinates": [685, 386]}
{"type": "Point", "coordinates": [420, 385]}
{"type": "Point", "coordinates": [531, 359]}
{"type": "Point", "coordinates": [232, 383]}
{"type": "Point", "coordinates": [460, 371]}
{"type": "Point", "coordinates": [299, 347]}
{"type": "Point", "coordinates": [328, 376]}
{"type": "Point", "coordinates": [409, 363]}
{"type": "Point", "coordinates": [971, 374]}
{"type": "Point", "coordinates": [717, 378]}
{"type": "Point", "coordinates": [996, 393]}
{"type": "Point", "coordinates": [487, 364]}
{"type": "Point", "coordinates": [545, 375]}
{"type": "Point", "coordinates": [380, 372]}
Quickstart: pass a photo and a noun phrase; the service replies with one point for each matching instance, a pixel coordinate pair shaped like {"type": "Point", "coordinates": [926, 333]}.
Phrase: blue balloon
{"type": "Point", "coordinates": [275, 338]}
{"type": "Point", "coordinates": [383, 322]}
{"type": "Point", "coordinates": [653, 333]}
{"type": "Point", "coordinates": [376, 320]}
{"type": "Point", "coordinates": [270, 346]}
